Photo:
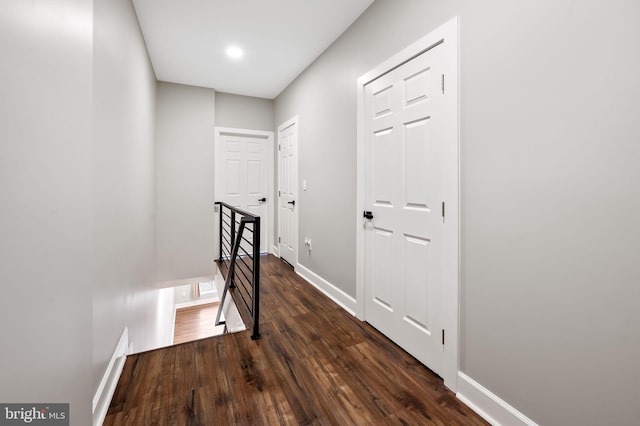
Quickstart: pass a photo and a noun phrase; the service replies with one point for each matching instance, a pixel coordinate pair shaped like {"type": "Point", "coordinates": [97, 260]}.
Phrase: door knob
{"type": "Point", "coordinates": [262, 200]}
{"type": "Point", "coordinates": [367, 214]}
{"type": "Point", "coordinates": [292, 202]}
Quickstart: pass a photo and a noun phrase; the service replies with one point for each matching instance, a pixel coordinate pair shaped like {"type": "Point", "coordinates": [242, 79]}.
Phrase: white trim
{"type": "Point", "coordinates": [197, 302]}
{"type": "Point", "coordinates": [173, 326]}
{"type": "Point", "coordinates": [488, 405]}
{"type": "Point", "coordinates": [447, 34]}
{"type": "Point", "coordinates": [268, 136]}
{"type": "Point", "coordinates": [290, 122]}
{"type": "Point", "coordinates": [107, 386]}
{"type": "Point", "coordinates": [345, 301]}
{"type": "Point", "coordinates": [185, 281]}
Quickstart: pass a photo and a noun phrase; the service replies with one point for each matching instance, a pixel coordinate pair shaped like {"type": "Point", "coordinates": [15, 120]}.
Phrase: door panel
{"type": "Point", "coordinates": [403, 189]}
{"type": "Point", "coordinates": [232, 179]}
{"type": "Point", "coordinates": [415, 175]}
{"type": "Point", "coordinates": [381, 274]}
{"type": "Point", "coordinates": [416, 275]}
{"type": "Point", "coordinates": [384, 150]}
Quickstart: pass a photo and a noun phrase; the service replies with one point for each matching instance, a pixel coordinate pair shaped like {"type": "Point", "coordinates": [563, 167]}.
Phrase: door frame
{"type": "Point", "coordinates": [290, 122]}
{"type": "Point", "coordinates": [447, 34]}
{"type": "Point", "coordinates": [268, 137]}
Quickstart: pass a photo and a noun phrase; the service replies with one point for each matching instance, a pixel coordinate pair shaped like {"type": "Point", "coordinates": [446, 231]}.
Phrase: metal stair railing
{"type": "Point", "coordinates": [240, 255]}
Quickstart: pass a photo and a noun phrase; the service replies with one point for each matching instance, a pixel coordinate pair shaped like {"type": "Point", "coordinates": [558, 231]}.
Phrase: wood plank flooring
{"type": "Point", "coordinates": [315, 365]}
{"type": "Point", "coordinates": [196, 322]}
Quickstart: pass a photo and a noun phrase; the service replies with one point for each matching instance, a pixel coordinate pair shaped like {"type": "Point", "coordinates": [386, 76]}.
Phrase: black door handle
{"type": "Point", "coordinates": [292, 202]}
{"type": "Point", "coordinates": [368, 214]}
{"type": "Point", "coordinates": [262, 200]}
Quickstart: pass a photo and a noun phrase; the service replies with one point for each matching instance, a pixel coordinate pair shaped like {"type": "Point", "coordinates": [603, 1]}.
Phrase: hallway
{"type": "Point", "coordinates": [315, 364]}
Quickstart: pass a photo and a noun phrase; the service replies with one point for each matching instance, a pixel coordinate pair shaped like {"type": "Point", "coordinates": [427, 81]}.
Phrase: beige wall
{"type": "Point", "coordinates": [45, 196]}
{"type": "Point", "coordinates": [549, 191]}
{"type": "Point", "coordinates": [123, 168]}
{"type": "Point", "coordinates": [244, 112]}
{"type": "Point", "coordinates": [185, 135]}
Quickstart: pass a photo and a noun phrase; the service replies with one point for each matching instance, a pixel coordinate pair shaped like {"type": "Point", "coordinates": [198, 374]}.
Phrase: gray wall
{"type": "Point", "coordinates": [45, 196]}
{"type": "Point", "coordinates": [244, 112]}
{"type": "Point", "coordinates": [185, 133]}
{"type": "Point", "coordinates": [549, 191]}
{"type": "Point", "coordinates": [123, 185]}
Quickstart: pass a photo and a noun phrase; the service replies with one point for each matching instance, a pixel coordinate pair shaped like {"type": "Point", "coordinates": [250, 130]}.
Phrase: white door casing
{"type": "Point", "coordinates": [407, 260]}
{"type": "Point", "coordinates": [244, 174]}
{"type": "Point", "coordinates": [288, 191]}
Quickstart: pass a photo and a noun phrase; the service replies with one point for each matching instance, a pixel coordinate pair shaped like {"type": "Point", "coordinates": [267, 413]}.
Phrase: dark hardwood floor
{"type": "Point", "coordinates": [315, 365]}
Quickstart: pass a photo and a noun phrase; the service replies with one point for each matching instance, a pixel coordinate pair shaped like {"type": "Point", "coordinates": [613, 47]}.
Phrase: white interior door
{"type": "Point", "coordinates": [404, 195]}
{"type": "Point", "coordinates": [243, 169]}
{"type": "Point", "coordinates": [288, 191]}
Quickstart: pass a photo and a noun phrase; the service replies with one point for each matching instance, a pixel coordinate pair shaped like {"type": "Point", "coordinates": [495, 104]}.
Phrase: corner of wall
{"type": "Point", "coordinates": [488, 405]}
{"type": "Point", "coordinates": [334, 293]}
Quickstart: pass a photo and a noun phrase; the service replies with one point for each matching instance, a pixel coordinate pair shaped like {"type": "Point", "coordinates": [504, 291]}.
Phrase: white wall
{"type": "Point", "coordinates": [185, 136]}
{"type": "Point", "coordinates": [45, 210]}
{"type": "Point", "coordinates": [244, 112]}
{"type": "Point", "coordinates": [77, 187]}
{"type": "Point", "coordinates": [165, 316]}
{"type": "Point", "coordinates": [123, 185]}
{"type": "Point", "coordinates": [549, 191]}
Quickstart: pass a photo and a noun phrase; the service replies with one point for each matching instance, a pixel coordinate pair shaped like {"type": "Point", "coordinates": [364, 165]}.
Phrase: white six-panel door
{"type": "Point", "coordinates": [288, 191]}
{"type": "Point", "coordinates": [243, 173]}
{"type": "Point", "coordinates": [404, 193]}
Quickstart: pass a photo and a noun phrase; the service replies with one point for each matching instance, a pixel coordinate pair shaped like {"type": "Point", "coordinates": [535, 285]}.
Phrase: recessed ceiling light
{"type": "Point", "coordinates": [234, 52]}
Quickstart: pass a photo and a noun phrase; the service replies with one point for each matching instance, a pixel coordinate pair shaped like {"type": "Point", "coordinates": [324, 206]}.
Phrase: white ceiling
{"type": "Point", "coordinates": [187, 39]}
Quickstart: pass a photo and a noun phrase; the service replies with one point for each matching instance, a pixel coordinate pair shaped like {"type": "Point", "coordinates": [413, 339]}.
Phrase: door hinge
{"type": "Point", "coordinates": [443, 211]}
{"type": "Point", "coordinates": [279, 194]}
{"type": "Point", "coordinates": [279, 240]}
{"type": "Point", "coordinates": [442, 83]}
{"type": "Point", "coordinates": [443, 337]}
{"type": "Point", "coordinates": [279, 147]}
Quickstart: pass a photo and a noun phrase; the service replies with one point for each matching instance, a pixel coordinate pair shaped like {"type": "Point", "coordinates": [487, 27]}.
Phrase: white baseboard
{"type": "Point", "coordinates": [488, 405]}
{"type": "Point", "coordinates": [345, 301]}
{"type": "Point", "coordinates": [107, 387]}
